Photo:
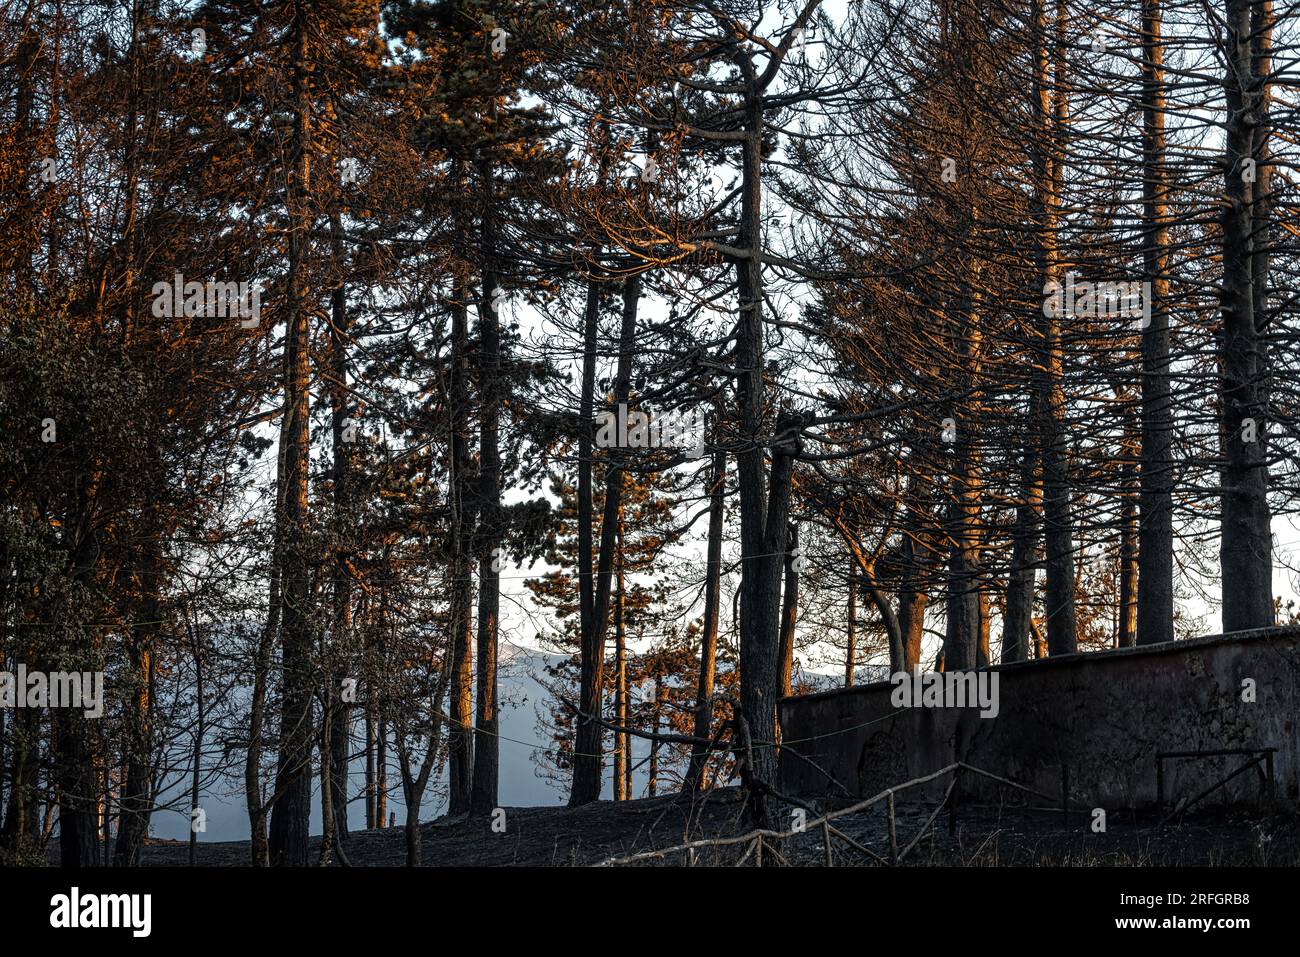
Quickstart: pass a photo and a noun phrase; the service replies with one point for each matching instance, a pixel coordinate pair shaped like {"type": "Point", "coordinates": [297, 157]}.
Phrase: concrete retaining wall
{"type": "Point", "coordinates": [1105, 714]}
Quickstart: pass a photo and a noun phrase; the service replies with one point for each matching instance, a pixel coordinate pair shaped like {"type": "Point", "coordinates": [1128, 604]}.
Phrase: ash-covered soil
{"type": "Point", "coordinates": [982, 836]}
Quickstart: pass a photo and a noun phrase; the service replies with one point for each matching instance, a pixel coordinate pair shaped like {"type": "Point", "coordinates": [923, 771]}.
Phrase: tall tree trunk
{"type": "Point", "coordinates": [137, 796]}
{"type": "Point", "coordinates": [74, 766]}
{"type": "Point", "coordinates": [291, 808]}
{"type": "Point", "coordinates": [1126, 613]}
{"type": "Point", "coordinates": [1057, 518]}
{"type": "Point", "coordinates": [1261, 31]}
{"type": "Point", "coordinates": [23, 145]}
{"type": "Point", "coordinates": [1155, 545]}
{"type": "Point", "coordinates": [589, 740]}
{"type": "Point", "coordinates": [712, 613]}
{"type": "Point", "coordinates": [381, 773]}
{"type": "Point", "coordinates": [656, 716]}
{"type": "Point", "coordinates": [137, 787]}
{"type": "Point", "coordinates": [460, 736]}
{"type": "Point", "coordinates": [259, 849]}
{"type": "Point", "coordinates": [196, 754]}
{"type": "Point", "coordinates": [326, 852]}
{"type": "Point", "coordinates": [588, 735]}
{"type": "Point", "coordinates": [483, 788]}
{"type": "Point", "coordinates": [75, 773]}
{"type": "Point", "coordinates": [985, 621]}
{"type": "Point", "coordinates": [22, 814]}
{"type": "Point", "coordinates": [915, 558]}
{"type": "Point", "coordinates": [851, 630]}
{"type": "Point", "coordinates": [622, 740]}
{"type": "Point", "coordinates": [764, 504]}
{"type": "Point", "coordinates": [1129, 537]}
{"type": "Point", "coordinates": [1245, 549]}
{"type": "Point", "coordinates": [339, 652]}
{"type": "Point", "coordinates": [962, 647]}
{"type": "Point", "coordinates": [911, 620]}
{"type": "Point", "coordinates": [789, 612]}
{"type": "Point", "coordinates": [131, 174]}
{"type": "Point", "coordinates": [371, 820]}
{"type": "Point", "coordinates": [1017, 622]}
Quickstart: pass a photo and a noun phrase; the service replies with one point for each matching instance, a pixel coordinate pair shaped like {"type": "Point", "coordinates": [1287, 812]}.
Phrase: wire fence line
{"type": "Point", "coordinates": [759, 838]}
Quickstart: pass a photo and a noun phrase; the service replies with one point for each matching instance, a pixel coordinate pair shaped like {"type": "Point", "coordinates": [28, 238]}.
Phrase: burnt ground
{"type": "Point", "coordinates": [983, 836]}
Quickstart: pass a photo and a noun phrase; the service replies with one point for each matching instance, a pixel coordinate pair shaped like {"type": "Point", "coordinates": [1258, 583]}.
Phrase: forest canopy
{"type": "Point", "coordinates": [719, 349]}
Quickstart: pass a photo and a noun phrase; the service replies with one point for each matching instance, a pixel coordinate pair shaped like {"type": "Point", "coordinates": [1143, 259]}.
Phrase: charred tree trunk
{"type": "Point", "coordinates": [483, 788]}
{"type": "Point", "coordinates": [460, 736]}
{"type": "Point", "coordinates": [622, 740]}
{"type": "Point", "coordinates": [1155, 544]}
{"type": "Point", "coordinates": [381, 774]}
{"type": "Point", "coordinates": [1017, 622]}
{"type": "Point", "coordinates": [291, 808]}
{"type": "Point", "coordinates": [589, 740]}
{"type": "Point", "coordinates": [652, 784]}
{"type": "Point", "coordinates": [259, 850]}
{"type": "Point", "coordinates": [764, 500]}
{"type": "Point", "coordinates": [74, 764]}
{"type": "Point", "coordinates": [789, 611]}
{"type": "Point", "coordinates": [962, 647]}
{"type": "Point", "coordinates": [22, 814]}
{"type": "Point", "coordinates": [137, 788]}
{"type": "Point", "coordinates": [915, 558]}
{"type": "Point", "coordinates": [586, 760]}
{"type": "Point", "coordinates": [1057, 511]}
{"type": "Point", "coordinates": [1129, 537]}
{"type": "Point", "coordinates": [712, 613]}
{"type": "Point", "coordinates": [371, 821]}
{"type": "Point", "coordinates": [851, 630]}
{"type": "Point", "coordinates": [196, 755]}
{"type": "Point", "coordinates": [338, 654]}
{"type": "Point", "coordinates": [1245, 549]}
{"type": "Point", "coordinates": [326, 853]}
{"type": "Point", "coordinates": [77, 798]}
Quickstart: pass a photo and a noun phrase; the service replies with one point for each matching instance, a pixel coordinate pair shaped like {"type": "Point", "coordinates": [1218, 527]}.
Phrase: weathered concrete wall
{"type": "Point", "coordinates": [1105, 714]}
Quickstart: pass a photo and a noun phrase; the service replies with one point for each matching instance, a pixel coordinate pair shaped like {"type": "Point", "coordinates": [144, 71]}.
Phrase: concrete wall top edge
{"type": "Point", "coordinates": [1088, 657]}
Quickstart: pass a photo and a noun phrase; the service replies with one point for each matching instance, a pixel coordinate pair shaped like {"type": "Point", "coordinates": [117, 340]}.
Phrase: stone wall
{"type": "Point", "coordinates": [1104, 714]}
